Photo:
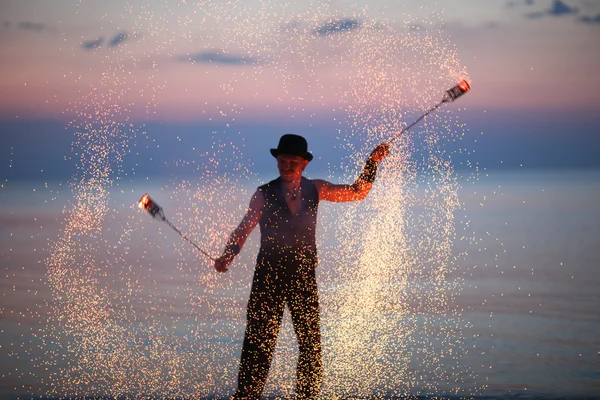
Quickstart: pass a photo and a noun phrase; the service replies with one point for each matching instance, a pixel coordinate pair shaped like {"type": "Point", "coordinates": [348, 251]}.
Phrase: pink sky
{"type": "Point", "coordinates": [542, 55]}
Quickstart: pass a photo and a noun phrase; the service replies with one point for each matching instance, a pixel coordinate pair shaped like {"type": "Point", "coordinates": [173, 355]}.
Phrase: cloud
{"type": "Point", "coordinates": [32, 26]}
{"type": "Point", "coordinates": [416, 27]}
{"type": "Point", "coordinates": [118, 39]}
{"type": "Point", "coordinates": [490, 25]}
{"type": "Point", "coordinates": [29, 26]}
{"type": "Point", "coordinates": [561, 8]}
{"type": "Point", "coordinates": [513, 3]}
{"type": "Point", "coordinates": [338, 26]}
{"type": "Point", "coordinates": [115, 41]}
{"type": "Point", "coordinates": [558, 9]}
{"type": "Point", "coordinates": [92, 44]}
{"type": "Point", "coordinates": [217, 57]}
{"type": "Point", "coordinates": [293, 27]}
{"type": "Point", "coordinates": [590, 20]}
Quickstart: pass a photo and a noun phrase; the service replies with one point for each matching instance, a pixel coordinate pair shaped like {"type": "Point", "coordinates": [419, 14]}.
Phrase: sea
{"type": "Point", "coordinates": [526, 259]}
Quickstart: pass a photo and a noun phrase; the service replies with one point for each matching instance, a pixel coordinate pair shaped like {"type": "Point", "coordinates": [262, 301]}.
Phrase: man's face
{"type": "Point", "coordinates": [290, 167]}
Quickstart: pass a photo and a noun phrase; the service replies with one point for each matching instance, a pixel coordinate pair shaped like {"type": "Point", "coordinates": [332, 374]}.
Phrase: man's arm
{"type": "Point", "coordinates": [238, 237]}
{"type": "Point", "coordinates": [361, 187]}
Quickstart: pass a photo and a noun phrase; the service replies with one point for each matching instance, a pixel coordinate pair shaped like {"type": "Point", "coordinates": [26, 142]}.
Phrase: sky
{"type": "Point", "coordinates": [189, 66]}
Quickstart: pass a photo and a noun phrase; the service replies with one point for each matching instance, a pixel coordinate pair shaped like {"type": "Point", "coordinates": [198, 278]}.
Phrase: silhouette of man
{"type": "Point", "coordinates": [286, 210]}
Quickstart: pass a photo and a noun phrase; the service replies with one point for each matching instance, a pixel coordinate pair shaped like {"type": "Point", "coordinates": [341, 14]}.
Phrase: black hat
{"type": "Point", "coordinates": [292, 144]}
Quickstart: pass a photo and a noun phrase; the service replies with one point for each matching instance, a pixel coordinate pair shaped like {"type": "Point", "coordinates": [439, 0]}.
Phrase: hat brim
{"type": "Point", "coordinates": [307, 156]}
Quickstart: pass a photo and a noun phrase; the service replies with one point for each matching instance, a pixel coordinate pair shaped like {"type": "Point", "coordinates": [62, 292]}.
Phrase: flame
{"type": "Point", "coordinates": [464, 86]}
{"type": "Point", "coordinates": [145, 202]}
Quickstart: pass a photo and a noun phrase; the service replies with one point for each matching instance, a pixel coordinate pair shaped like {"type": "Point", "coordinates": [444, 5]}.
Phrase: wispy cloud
{"type": "Point", "coordinates": [338, 26]}
{"type": "Point", "coordinates": [92, 44]}
{"type": "Point", "coordinates": [118, 39]}
{"type": "Point", "coordinates": [516, 3]}
{"type": "Point", "coordinates": [32, 26]}
{"type": "Point", "coordinates": [558, 9]}
{"type": "Point", "coordinates": [590, 20]}
{"type": "Point", "coordinates": [294, 27]}
{"type": "Point", "coordinates": [217, 57]}
{"type": "Point", "coordinates": [561, 8]}
{"type": "Point", "coordinates": [26, 26]}
{"type": "Point", "coordinates": [115, 41]}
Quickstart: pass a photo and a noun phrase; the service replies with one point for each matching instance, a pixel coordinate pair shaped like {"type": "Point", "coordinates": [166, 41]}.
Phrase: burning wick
{"type": "Point", "coordinates": [146, 203]}
{"type": "Point", "coordinates": [457, 91]}
{"type": "Point", "coordinates": [154, 209]}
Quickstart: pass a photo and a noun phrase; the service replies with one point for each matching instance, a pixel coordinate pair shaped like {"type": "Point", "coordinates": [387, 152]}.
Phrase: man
{"type": "Point", "coordinates": [286, 209]}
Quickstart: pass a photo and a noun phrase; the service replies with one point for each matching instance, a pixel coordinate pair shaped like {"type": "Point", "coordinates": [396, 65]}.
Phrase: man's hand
{"type": "Point", "coordinates": [380, 152]}
{"type": "Point", "coordinates": [231, 250]}
{"type": "Point", "coordinates": [222, 263]}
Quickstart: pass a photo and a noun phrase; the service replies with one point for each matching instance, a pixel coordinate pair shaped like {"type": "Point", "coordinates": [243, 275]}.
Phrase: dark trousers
{"type": "Point", "coordinates": [279, 281]}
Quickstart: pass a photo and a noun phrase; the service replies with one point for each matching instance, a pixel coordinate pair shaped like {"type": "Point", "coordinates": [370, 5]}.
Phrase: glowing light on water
{"type": "Point", "coordinates": [125, 322]}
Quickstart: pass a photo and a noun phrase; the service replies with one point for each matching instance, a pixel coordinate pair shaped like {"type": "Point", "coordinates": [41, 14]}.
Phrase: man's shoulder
{"type": "Point", "coordinates": [312, 186]}
{"type": "Point", "coordinates": [319, 183]}
{"type": "Point", "coordinates": [268, 185]}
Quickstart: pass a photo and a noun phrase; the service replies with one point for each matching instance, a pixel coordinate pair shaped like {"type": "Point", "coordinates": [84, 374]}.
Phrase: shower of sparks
{"type": "Point", "coordinates": [137, 314]}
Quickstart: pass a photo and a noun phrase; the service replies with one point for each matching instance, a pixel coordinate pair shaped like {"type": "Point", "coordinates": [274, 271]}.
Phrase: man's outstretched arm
{"type": "Point", "coordinates": [240, 234]}
{"type": "Point", "coordinates": [361, 187]}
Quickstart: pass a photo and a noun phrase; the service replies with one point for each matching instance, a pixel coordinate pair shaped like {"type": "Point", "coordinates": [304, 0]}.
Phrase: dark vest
{"type": "Point", "coordinates": [282, 232]}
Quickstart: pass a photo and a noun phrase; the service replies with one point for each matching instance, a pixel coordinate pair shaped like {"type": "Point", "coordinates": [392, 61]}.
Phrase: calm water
{"type": "Point", "coordinates": [529, 266]}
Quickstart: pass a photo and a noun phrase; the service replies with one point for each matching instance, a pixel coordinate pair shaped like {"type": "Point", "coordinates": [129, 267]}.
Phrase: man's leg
{"type": "Point", "coordinates": [304, 309]}
{"type": "Point", "coordinates": [264, 315]}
